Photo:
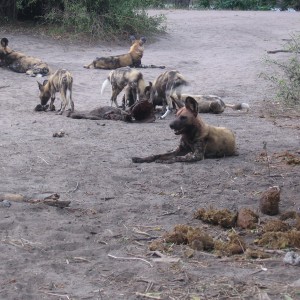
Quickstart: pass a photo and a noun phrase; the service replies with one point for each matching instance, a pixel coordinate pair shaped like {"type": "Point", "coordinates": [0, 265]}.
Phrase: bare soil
{"type": "Point", "coordinates": [117, 208]}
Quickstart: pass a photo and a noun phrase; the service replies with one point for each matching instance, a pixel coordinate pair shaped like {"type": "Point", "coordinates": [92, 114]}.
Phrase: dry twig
{"type": "Point", "coordinates": [131, 258]}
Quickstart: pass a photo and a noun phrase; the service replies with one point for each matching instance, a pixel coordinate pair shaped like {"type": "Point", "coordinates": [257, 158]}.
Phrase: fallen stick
{"type": "Point", "coordinates": [130, 258]}
{"type": "Point", "coordinates": [51, 200]}
{"type": "Point", "coordinates": [281, 50]}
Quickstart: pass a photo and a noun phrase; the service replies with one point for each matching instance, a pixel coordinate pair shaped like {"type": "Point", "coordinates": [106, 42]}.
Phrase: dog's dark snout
{"type": "Point", "coordinates": [172, 125]}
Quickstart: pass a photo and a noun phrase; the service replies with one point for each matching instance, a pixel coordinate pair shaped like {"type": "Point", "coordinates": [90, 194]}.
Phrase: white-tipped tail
{"type": "Point", "coordinates": [104, 85]}
{"type": "Point", "coordinates": [245, 106]}
{"type": "Point", "coordinates": [240, 106]}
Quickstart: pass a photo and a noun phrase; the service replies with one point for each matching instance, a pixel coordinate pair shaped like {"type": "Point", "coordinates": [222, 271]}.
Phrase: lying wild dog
{"type": "Point", "coordinates": [121, 78]}
{"type": "Point", "coordinates": [61, 81]}
{"type": "Point", "coordinates": [198, 140]}
{"type": "Point", "coordinates": [163, 87]}
{"type": "Point", "coordinates": [102, 113]}
{"type": "Point", "coordinates": [141, 111]}
{"type": "Point", "coordinates": [21, 63]}
{"type": "Point", "coordinates": [132, 58]}
{"type": "Point", "coordinates": [211, 104]}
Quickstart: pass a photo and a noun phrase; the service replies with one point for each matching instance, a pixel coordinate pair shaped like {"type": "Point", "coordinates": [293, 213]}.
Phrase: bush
{"type": "Point", "coordinates": [286, 75]}
{"type": "Point", "coordinates": [96, 18]}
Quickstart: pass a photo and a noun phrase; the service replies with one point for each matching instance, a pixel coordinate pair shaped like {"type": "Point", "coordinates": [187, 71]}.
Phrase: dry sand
{"type": "Point", "coordinates": [51, 253]}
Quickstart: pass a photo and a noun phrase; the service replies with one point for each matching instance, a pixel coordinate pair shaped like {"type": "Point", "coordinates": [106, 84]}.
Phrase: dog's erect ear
{"type": "Point", "coordinates": [132, 38]}
{"type": "Point", "coordinates": [41, 87]}
{"type": "Point", "coordinates": [4, 42]}
{"type": "Point", "coordinates": [192, 105]}
{"type": "Point", "coordinates": [143, 40]}
{"type": "Point", "coordinates": [45, 82]}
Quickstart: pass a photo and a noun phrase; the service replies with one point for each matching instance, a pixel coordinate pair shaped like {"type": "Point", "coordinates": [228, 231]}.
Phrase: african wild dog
{"type": "Point", "coordinates": [122, 77]}
{"type": "Point", "coordinates": [198, 139]}
{"type": "Point", "coordinates": [61, 81]}
{"type": "Point", "coordinates": [132, 58]}
{"type": "Point", "coordinates": [211, 104]}
{"type": "Point", "coordinates": [21, 63]}
{"type": "Point", "coordinates": [102, 113]}
{"type": "Point", "coordinates": [163, 87]}
{"type": "Point", "coordinates": [142, 111]}
{"type": "Point", "coordinates": [129, 97]}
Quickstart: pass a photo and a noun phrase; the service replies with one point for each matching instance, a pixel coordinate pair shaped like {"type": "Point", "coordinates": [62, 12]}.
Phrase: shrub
{"type": "Point", "coordinates": [96, 18]}
{"type": "Point", "coordinates": [286, 74]}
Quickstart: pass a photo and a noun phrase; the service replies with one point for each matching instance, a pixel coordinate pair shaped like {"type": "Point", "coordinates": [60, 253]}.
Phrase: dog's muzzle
{"type": "Point", "coordinates": [177, 129]}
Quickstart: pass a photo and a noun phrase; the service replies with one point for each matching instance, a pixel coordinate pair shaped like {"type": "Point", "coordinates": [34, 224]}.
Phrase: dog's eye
{"type": "Point", "coordinates": [183, 118]}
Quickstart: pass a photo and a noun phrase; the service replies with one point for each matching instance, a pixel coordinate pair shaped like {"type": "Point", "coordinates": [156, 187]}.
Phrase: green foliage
{"type": "Point", "coordinates": [286, 75]}
{"type": "Point", "coordinates": [94, 18]}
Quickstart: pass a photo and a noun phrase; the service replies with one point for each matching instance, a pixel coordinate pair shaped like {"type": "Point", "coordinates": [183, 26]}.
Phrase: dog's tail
{"type": "Point", "coordinates": [141, 86]}
{"type": "Point", "coordinates": [239, 106]}
{"type": "Point", "coordinates": [105, 84]}
{"type": "Point", "coordinates": [178, 103]}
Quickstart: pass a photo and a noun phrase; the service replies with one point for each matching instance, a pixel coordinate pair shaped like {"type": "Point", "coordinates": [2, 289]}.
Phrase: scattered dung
{"type": "Point", "coordinates": [224, 217]}
{"type": "Point", "coordinates": [247, 219]}
{"type": "Point", "coordinates": [235, 245]}
{"type": "Point", "coordinates": [289, 158]}
{"type": "Point", "coordinates": [256, 253]}
{"type": "Point", "coordinates": [280, 240]}
{"type": "Point", "coordinates": [276, 226]}
{"type": "Point", "coordinates": [195, 237]}
{"type": "Point", "coordinates": [269, 201]}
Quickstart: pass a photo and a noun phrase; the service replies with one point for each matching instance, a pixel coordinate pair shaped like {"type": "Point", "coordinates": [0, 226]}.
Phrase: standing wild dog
{"type": "Point", "coordinates": [211, 104]}
{"type": "Point", "coordinates": [163, 87]}
{"type": "Point", "coordinates": [132, 58]}
{"type": "Point", "coordinates": [122, 77]}
{"type": "Point", "coordinates": [198, 139]}
{"type": "Point", "coordinates": [61, 81]}
{"type": "Point", "coordinates": [21, 63]}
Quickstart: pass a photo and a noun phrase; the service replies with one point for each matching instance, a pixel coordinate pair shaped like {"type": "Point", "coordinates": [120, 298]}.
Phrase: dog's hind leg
{"type": "Point", "coordinates": [64, 100]}
{"type": "Point", "coordinates": [113, 99]}
{"type": "Point", "coordinates": [70, 100]}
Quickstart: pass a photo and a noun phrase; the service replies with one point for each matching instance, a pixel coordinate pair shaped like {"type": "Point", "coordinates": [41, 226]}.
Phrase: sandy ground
{"type": "Point", "coordinates": [52, 253]}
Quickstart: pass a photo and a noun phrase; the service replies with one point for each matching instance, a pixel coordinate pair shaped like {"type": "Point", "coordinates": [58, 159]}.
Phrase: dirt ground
{"type": "Point", "coordinates": [98, 248]}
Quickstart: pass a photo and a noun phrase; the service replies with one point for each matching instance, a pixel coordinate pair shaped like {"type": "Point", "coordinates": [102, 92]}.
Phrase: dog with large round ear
{"type": "Point", "coordinates": [192, 105]}
{"type": "Point", "coordinates": [142, 40]}
{"type": "Point", "coordinates": [4, 42]}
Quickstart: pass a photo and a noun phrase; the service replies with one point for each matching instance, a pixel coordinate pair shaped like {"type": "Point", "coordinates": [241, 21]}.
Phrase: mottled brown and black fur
{"type": "Point", "coordinates": [132, 58]}
{"type": "Point", "coordinates": [61, 81]}
{"type": "Point", "coordinates": [103, 113]}
{"type": "Point", "coordinates": [122, 77]}
{"type": "Point", "coordinates": [164, 86]}
{"type": "Point", "coordinates": [198, 139]}
{"type": "Point", "coordinates": [212, 104]}
{"type": "Point", "coordinates": [21, 63]}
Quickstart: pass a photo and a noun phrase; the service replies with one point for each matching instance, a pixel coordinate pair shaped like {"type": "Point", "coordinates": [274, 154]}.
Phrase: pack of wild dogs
{"type": "Point", "coordinates": [198, 139]}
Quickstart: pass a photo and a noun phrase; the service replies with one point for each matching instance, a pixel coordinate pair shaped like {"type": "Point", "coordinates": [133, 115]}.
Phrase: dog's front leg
{"type": "Point", "coordinates": [52, 107]}
{"type": "Point", "coordinates": [156, 158]}
{"type": "Point", "coordinates": [190, 157]}
{"type": "Point", "coordinates": [193, 156]}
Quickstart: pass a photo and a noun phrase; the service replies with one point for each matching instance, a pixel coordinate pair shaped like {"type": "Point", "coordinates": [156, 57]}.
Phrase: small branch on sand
{"type": "Point", "coordinates": [281, 50]}
{"type": "Point", "coordinates": [148, 295]}
{"type": "Point", "coordinates": [4, 86]}
{"type": "Point", "coordinates": [75, 189]}
{"type": "Point", "coordinates": [43, 160]}
{"type": "Point", "coordinates": [57, 295]}
{"type": "Point", "coordinates": [131, 258]}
